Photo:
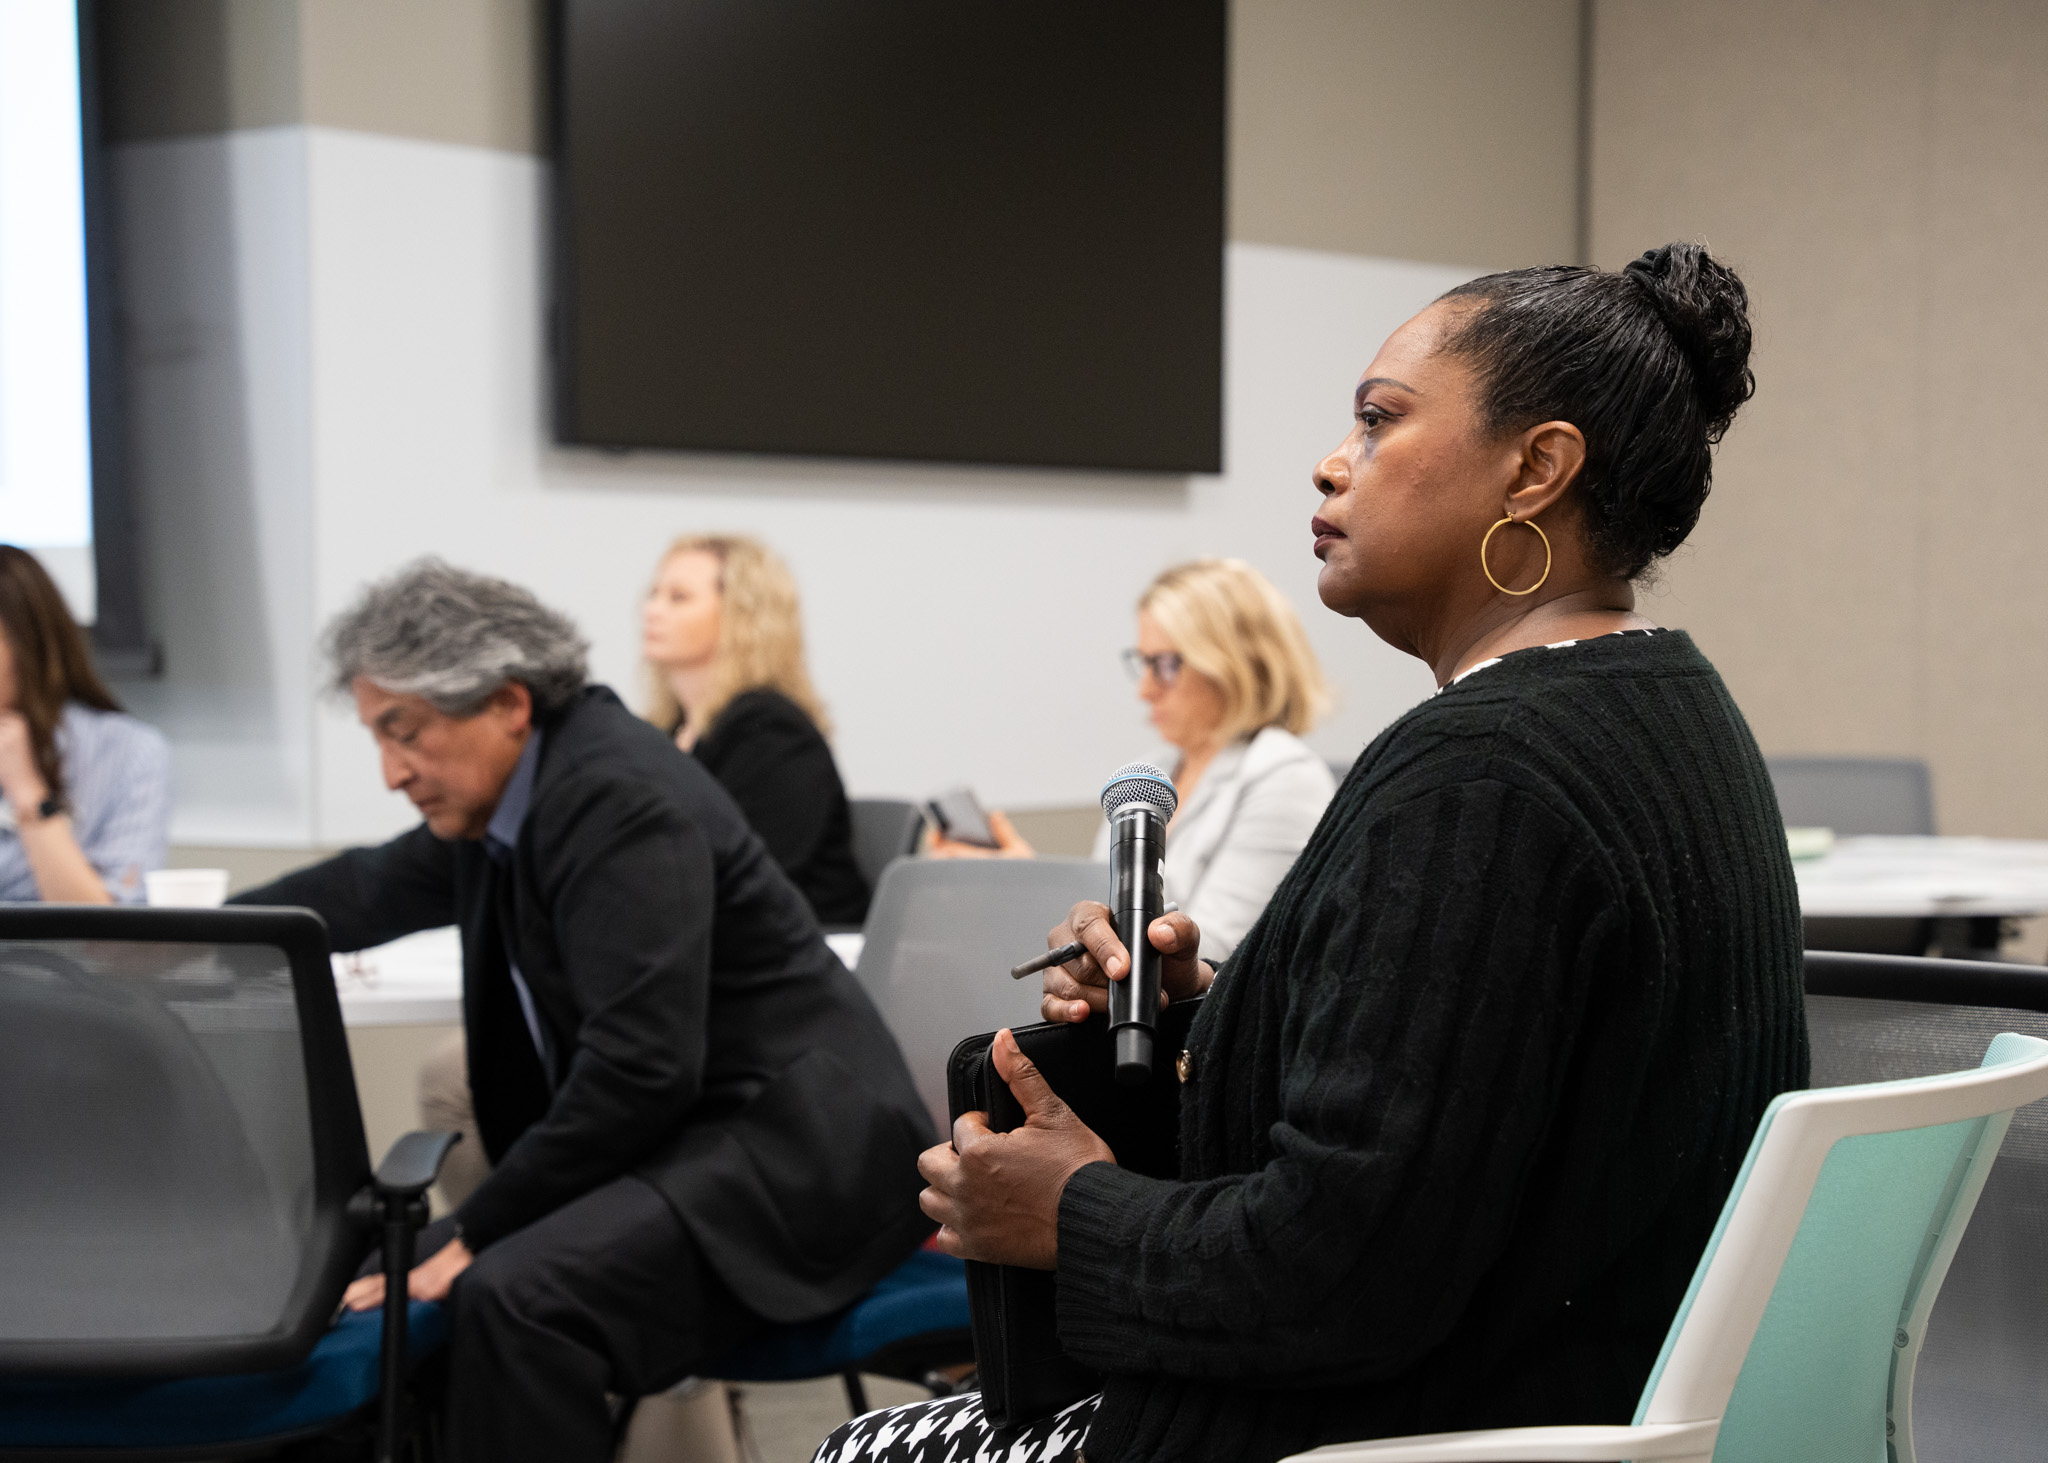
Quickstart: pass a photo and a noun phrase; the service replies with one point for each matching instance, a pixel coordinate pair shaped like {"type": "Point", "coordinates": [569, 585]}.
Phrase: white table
{"type": "Point", "coordinates": [1921, 878]}
{"type": "Point", "coordinates": [1974, 882]}
{"type": "Point", "coordinates": [417, 981]}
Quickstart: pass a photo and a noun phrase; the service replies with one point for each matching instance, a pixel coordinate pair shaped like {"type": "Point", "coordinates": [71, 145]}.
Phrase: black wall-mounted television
{"type": "Point", "coordinates": [959, 230]}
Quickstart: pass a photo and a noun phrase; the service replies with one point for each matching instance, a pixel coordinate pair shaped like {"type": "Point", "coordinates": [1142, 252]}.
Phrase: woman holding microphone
{"type": "Point", "coordinates": [1462, 1109]}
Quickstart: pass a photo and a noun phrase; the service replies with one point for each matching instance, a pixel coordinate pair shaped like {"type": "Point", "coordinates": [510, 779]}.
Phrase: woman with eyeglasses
{"type": "Point", "coordinates": [1226, 670]}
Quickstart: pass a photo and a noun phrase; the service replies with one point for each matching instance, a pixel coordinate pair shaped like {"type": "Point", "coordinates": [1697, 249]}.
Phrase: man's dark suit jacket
{"type": "Point", "coordinates": [706, 1038]}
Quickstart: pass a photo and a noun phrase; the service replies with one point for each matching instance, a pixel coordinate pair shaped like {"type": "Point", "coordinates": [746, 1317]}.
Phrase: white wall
{"type": "Point", "coordinates": [212, 253]}
{"type": "Point", "coordinates": [963, 622]}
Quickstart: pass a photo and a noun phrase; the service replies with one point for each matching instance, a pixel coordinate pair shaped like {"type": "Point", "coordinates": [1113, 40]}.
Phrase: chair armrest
{"type": "Point", "coordinates": [413, 1163]}
{"type": "Point", "coordinates": [1668, 1441]}
{"type": "Point", "coordinates": [395, 1201]}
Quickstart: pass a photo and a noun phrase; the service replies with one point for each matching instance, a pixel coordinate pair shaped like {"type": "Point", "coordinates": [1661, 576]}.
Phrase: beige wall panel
{"type": "Point", "coordinates": [1865, 574]}
{"type": "Point", "coordinates": [387, 1061]}
{"type": "Point", "coordinates": [1059, 832]}
{"type": "Point", "coordinates": [443, 70]}
{"type": "Point", "coordinates": [1774, 130]}
{"type": "Point", "coordinates": [175, 68]}
{"type": "Point", "coordinates": [1445, 132]}
{"type": "Point", "coordinates": [1980, 397]}
{"type": "Point", "coordinates": [247, 868]}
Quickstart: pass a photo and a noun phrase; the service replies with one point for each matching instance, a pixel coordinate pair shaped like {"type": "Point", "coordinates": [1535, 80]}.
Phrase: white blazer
{"type": "Point", "coordinates": [1235, 838]}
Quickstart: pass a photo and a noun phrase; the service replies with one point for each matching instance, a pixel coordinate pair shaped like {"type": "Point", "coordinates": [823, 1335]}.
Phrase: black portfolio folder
{"type": "Point", "coordinates": [1024, 1373]}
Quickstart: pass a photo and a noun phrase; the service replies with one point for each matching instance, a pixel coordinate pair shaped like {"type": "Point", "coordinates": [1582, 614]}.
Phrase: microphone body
{"type": "Point", "coordinates": [1139, 800]}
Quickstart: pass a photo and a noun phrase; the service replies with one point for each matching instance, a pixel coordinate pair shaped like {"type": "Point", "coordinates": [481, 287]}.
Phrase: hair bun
{"type": "Point", "coordinates": [1706, 309]}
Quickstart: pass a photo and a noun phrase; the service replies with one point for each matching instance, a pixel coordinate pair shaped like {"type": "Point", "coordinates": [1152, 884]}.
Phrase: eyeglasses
{"type": "Point", "coordinates": [1165, 666]}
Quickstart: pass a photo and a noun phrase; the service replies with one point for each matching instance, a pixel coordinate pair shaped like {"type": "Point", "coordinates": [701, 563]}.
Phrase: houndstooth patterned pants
{"type": "Point", "coordinates": [952, 1430]}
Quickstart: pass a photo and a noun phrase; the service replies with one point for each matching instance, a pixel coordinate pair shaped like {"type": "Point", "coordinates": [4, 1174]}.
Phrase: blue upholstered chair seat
{"type": "Point", "coordinates": [339, 1377]}
{"type": "Point", "coordinates": [924, 1295]}
{"type": "Point", "coordinates": [927, 1294]}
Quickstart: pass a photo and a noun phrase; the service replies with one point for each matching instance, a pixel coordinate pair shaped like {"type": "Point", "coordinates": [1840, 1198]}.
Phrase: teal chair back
{"type": "Point", "coordinates": [1980, 1389]}
{"type": "Point", "coordinates": [1806, 1315]}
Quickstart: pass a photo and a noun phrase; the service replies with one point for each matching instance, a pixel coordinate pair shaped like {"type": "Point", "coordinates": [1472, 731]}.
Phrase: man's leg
{"type": "Point", "coordinates": [606, 1294]}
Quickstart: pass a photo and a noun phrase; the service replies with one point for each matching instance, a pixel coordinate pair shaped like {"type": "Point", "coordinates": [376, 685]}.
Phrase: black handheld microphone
{"type": "Point", "coordinates": [1139, 800]}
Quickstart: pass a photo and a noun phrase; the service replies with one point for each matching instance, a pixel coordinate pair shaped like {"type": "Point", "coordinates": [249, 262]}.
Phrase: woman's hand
{"type": "Point", "coordinates": [1009, 843]}
{"type": "Point", "coordinates": [59, 866]}
{"type": "Point", "coordinates": [20, 779]}
{"type": "Point", "coordinates": [1081, 986]}
{"type": "Point", "coordinates": [997, 1195]}
{"type": "Point", "coordinates": [430, 1279]}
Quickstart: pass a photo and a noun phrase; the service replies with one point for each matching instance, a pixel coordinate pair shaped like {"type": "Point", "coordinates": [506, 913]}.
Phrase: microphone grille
{"type": "Point", "coordinates": [1139, 782]}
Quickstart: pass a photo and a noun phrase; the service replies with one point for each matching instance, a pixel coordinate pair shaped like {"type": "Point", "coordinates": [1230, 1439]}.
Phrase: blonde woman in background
{"type": "Point", "coordinates": [723, 639]}
{"type": "Point", "coordinates": [1224, 665]}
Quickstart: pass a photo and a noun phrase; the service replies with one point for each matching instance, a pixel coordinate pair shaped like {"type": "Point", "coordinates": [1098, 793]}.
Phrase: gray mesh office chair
{"type": "Point", "coordinates": [1981, 1388]}
{"type": "Point", "coordinates": [184, 1185]}
{"type": "Point", "coordinates": [942, 935]}
{"type": "Point", "coordinates": [1855, 796]}
{"type": "Point", "coordinates": [884, 829]}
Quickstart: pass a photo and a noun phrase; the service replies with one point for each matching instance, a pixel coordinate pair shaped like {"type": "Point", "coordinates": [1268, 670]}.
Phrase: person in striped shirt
{"type": "Point", "coordinates": [85, 789]}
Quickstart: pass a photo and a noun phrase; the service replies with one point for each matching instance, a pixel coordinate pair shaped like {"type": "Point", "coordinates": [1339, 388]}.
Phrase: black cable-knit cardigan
{"type": "Point", "coordinates": [1465, 1105]}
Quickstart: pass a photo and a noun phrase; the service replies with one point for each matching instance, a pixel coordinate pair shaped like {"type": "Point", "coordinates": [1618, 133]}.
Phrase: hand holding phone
{"type": "Point", "coordinates": [959, 815]}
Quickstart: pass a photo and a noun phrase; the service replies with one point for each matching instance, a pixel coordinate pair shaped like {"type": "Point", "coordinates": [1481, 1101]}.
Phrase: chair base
{"type": "Point", "coordinates": [919, 1361]}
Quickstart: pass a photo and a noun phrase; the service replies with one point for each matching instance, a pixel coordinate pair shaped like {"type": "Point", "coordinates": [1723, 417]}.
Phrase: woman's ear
{"type": "Point", "coordinates": [1553, 454]}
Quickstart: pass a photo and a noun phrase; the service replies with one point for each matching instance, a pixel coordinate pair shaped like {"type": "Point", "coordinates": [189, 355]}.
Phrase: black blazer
{"type": "Point", "coordinates": [705, 1036]}
{"type": "Point", "coordinates": [779, 769]}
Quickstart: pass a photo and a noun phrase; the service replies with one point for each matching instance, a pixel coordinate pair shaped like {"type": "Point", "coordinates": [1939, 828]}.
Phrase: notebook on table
{"type": "Point", "coordinates": [1024, 1372]}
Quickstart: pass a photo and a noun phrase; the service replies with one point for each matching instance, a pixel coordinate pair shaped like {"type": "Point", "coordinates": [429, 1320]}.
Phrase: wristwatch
{"type": "Point", "coordinates": [49, 808]}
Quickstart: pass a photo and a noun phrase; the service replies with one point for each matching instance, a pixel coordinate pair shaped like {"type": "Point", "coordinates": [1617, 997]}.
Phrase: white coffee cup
{"type": "Point", "coordinates": [186, 888]}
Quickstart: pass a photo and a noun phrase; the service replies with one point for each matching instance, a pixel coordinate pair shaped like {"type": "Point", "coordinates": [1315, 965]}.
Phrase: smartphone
{"type": "Point", "coordinates": [959, 815]}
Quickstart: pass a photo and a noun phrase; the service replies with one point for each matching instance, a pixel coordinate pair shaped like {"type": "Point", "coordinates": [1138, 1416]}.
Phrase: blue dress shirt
{"type": "Point", "coordinates": [500, 835]}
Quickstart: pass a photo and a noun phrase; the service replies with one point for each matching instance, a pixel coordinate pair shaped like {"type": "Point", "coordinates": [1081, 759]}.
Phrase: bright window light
{"type": "Point", "coordinates": [45, 404]}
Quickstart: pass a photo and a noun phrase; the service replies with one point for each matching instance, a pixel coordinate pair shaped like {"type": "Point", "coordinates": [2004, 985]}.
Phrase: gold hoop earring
{"type": "Point", "coordinates": [1527, 523]}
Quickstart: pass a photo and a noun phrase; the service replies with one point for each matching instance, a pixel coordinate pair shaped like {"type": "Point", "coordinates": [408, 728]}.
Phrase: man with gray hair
{"type": "Point", "coordinates": [698, 1125]}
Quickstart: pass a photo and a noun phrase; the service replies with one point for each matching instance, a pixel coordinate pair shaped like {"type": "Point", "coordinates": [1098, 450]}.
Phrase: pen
{"type": "Point", "coordinates": [1050, 958]}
